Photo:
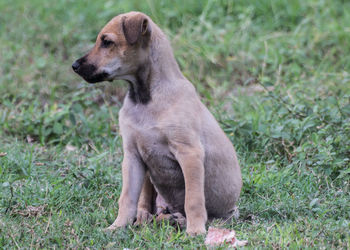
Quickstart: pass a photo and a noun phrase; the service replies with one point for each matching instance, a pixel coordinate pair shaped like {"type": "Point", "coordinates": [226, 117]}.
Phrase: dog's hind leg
{"type": "Point", "coordinates": [146, 204]}
{"type": "Point", "coordinates": [151, 203]}
{"type": "Point", "coordinates": [164, 213]}
{"type": "Point", "coordinates": [175, 219]}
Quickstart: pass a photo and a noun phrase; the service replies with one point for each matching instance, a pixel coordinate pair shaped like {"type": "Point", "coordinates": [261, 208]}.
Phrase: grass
{"type": "Point", "coordinates": [276, 74]}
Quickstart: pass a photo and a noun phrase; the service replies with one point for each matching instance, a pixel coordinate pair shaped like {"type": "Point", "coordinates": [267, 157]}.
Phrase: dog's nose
{"type": "Point", "coordinates": [75, 66]}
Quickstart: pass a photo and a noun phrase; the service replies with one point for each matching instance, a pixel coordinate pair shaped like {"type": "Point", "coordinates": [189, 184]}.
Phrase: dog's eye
{"type": "Point", "coordinates": [106, 43]}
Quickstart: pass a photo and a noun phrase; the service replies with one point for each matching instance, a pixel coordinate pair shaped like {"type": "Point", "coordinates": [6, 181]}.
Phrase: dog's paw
{"type": "Point", "coordinates": [115, 226]}
{"type": "Point", "coordinates": [143, 216]}
{"type": "Point", "coordinates": [111, 228]}
{"type": "Point", "coordinates": [120, 222]}
{"type": "Point", "coordinates": [196, 230]}
{"type": "Point", "coordinates": [175, 219]}
{"type": "Point", "coordinates": [163, 217]}
{"type": "Point", "coordinates": [179, 219]}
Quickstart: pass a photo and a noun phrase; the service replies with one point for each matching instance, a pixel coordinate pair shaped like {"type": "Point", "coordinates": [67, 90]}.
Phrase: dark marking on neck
{"type": "Point", "coordinates": [139, 91]}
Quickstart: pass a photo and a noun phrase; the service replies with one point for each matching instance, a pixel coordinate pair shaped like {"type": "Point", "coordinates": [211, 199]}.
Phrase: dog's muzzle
{"type": "Point", "coordinates": [88, 71]}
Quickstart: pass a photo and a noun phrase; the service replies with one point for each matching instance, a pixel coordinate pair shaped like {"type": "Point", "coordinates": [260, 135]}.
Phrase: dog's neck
{"type": "Point", "coordinates": [139, 85]}
{"type": "Point", "coordinates": [158, 72]}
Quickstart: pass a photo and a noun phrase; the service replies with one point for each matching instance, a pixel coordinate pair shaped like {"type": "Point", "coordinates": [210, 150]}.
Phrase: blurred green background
{"type": "Point", "coordinates": [275, 73]}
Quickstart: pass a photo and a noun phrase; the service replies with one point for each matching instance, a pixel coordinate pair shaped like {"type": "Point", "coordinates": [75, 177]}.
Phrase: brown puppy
{"type": "Point", "coordinates": [172, 144]}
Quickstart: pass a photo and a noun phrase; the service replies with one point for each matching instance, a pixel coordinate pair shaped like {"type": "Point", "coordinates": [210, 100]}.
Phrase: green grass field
{"type": "Point", "coordinates": [275, 73]}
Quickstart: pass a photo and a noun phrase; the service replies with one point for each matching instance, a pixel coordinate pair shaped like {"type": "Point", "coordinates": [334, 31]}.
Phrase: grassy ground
{"type": "Point", "coordinates": [275, 73]}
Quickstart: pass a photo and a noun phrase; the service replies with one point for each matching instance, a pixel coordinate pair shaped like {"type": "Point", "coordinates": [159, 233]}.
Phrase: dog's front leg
{"type": "Point", "coordinates": [133, 173]}
{"type": "Point", "coordinates": [191, 160]}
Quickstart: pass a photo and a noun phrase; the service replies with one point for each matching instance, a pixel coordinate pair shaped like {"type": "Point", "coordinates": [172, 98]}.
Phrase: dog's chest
{"type": "Point", "coordinates": [151, 145]}
{"type": "Point", "coordinates": [153, 148]}
{"type": "Point", "coordinates": [165, 172]}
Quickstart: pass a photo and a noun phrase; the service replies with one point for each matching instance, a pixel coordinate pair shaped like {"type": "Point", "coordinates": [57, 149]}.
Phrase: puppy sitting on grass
{"type": "Point", "coordinates": [174, 149]}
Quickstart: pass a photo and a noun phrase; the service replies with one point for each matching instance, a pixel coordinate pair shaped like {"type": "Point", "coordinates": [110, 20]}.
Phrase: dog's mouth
{"type": "Point", "coordinates": [100, 77]}
{"type": "Point", "coordinates": [88, 72]}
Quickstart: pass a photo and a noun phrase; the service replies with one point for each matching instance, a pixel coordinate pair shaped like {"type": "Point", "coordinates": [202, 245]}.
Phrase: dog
{"type": "Point", "coordinates": [174, 150]}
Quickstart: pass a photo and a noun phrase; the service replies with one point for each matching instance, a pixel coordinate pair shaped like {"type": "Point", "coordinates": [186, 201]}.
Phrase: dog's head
{"type": "Point", "coordinates": [121, 48]}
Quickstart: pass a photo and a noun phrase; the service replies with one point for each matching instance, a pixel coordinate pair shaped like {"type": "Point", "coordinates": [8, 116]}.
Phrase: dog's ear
{"type": "Point", "coordinates": [136, 28]}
